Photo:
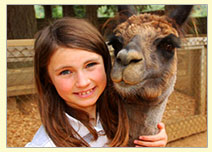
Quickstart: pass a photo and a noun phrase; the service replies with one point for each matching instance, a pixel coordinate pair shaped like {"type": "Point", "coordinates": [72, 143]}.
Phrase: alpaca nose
{"type": "Point", "coordinates": [126, 57]}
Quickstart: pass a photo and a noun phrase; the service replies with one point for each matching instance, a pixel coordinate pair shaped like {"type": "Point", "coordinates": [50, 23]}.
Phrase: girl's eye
{"type": "Point", "coordinates": [65, 72]}
{"type": "Point", "coordinates": [91, 64]}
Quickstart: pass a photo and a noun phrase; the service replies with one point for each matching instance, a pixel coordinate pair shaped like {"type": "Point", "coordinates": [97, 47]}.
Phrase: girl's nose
{"type": "Point", "coordinates": [82, 80]}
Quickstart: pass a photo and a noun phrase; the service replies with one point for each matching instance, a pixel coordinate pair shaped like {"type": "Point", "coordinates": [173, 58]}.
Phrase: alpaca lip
{"type": "Point", "coordinates": [123, 87]}
{"type": "Point", "coordinates": [125, 84]}
{"type": "Point", "coordinates": [85, 93]}
{"type": "Point", "coordinates": [126, 88]}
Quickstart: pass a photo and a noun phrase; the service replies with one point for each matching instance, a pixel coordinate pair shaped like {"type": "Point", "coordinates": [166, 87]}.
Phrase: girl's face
{"type": "Point", "coordinates": [78, 76]}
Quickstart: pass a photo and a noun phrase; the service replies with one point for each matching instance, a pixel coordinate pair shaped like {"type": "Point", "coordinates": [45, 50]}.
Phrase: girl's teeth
{"type": "Point", "coordinates": [84, 93]}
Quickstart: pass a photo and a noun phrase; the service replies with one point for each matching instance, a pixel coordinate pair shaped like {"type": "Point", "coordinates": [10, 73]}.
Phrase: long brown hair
{"type": "Point", "coordinates": [75, 33]}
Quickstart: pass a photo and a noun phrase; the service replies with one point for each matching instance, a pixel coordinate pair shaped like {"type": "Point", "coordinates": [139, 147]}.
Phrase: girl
{"type": "Point", "coordinates": [76, 104]}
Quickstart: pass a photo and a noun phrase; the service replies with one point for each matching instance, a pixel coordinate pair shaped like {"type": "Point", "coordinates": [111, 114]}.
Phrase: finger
{"type": "Point", "coordinates": [161, 126]}
{"type": "Point", "coordinates": [140, 143]}
{"type": "Point", "coordinates": [157, 137]}
{"type": "Point", "coordinates": [150, 144]}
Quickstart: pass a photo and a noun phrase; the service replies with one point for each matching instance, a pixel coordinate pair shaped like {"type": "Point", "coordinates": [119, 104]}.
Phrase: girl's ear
{"type": "Point", "coordinates": [181, 13]}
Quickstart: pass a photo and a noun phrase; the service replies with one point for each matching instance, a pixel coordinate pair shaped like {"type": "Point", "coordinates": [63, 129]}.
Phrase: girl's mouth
{"type": "Point", "coordinates": [87, 93]}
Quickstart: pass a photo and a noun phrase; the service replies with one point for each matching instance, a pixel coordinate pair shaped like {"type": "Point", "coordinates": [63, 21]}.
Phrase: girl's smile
{"type": "Point", "coordinates": [85, 94]}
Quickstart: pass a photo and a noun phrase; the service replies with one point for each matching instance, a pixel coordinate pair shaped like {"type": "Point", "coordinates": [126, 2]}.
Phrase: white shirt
{"type": "Point", "coordinates": [41, 139]}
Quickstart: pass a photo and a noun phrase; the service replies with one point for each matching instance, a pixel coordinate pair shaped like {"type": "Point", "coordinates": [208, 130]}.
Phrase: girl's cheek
{"type": "Point", "coordinates": [100, 74]}
{"type": "Point", "coordinates": [99, 78]}
{"type": "Point", "coordinates": [64, 85]}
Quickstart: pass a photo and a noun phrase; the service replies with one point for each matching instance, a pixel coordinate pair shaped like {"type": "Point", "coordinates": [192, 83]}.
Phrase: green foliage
{"type": "Point", "coordinates": [106, 11]}
{"type": "Point", "coordinates": [80, 11]}
{"type": "Point", "coordinates": [200, 11]}
{"type": "Point", "coordinates": [111, 10]}
{"type": "Point", "coordinates": [149, 8]}
{"type": "Point", "coordinates": [57, 11]}
{"type": "Point", "coordinates": [39, 11]}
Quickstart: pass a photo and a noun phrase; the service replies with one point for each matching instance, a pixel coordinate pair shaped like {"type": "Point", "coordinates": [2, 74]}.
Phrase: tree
{"type": "Point", "coordinates": [21, 22]}
{"type": "Point", "coordinates": [68, 10]}
{"type": "Point", "coordinates": [91, 14]}
{"type": "Point", "coordinates": [48, 11]}
{"type": "Point", "coordinates": [48, 16]}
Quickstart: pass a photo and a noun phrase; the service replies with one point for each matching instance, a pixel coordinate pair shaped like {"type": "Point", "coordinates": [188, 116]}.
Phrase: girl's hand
{"type": "Point", "coordinates": [158, 140]}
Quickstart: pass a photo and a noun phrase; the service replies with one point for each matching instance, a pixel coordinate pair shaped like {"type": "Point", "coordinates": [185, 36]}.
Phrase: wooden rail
{"type": "Point", "coordinates": [20, 81]}
{"type": "Point", "coordinates": [19, 72]}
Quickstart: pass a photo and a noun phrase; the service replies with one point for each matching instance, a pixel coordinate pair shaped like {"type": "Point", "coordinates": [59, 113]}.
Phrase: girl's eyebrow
{"type": "Point", "coordinates": [93, 59]}
{"type": "Point", "coordinates": [63, 67]}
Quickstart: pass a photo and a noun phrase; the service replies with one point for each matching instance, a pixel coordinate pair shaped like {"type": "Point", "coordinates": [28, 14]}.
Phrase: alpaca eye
{"type": "Point", "coordinates": [117, 47]}
{"type": "Point", "coordinates": [168, 47]}
{"type": "Point", "coordinates": [117, 44]}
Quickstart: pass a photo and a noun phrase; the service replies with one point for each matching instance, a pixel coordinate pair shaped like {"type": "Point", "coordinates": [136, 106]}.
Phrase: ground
{"type": "Point", "coordinates": [197, 140]}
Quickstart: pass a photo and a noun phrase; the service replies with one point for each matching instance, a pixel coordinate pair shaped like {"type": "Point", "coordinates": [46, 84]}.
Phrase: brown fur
{"type": "Point", "coordinates": [144, 23]}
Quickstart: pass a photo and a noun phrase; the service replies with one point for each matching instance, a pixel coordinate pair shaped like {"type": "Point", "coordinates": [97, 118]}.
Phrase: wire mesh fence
{"type": "Point", "coordinates": [186, 111]}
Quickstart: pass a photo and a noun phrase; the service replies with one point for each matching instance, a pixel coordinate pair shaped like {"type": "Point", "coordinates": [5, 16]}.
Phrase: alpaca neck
{"type": "Point", "coordinates": [143, 118]}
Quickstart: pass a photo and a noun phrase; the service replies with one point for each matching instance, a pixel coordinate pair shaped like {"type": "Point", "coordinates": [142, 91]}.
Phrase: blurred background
{"type": "Point", "coordinates": [186, 112]}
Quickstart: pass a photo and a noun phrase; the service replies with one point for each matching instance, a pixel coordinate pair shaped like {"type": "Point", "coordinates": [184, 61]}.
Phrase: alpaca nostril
{"type": "Point", "coordinates": [118, 60]}
{"type": "Point", "coordinates": [128, 60]}
{"type": "Point", "coordinates": [135, 60]}
{"type": "Point", "coordinates": [125, 57]}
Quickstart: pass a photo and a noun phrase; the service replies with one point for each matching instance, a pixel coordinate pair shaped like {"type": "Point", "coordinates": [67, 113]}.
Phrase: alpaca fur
{"type": "Point", "coordinates": [145, 67]}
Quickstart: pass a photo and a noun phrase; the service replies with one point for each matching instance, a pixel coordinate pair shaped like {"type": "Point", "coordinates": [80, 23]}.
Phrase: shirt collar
{"type": "Point", "coordinates": [80, 127]}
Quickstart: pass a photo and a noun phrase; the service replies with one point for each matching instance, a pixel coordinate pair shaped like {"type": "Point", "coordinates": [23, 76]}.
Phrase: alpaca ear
{"type": "Point", "coordinates": [125, 11]}
{"type": "Point", "coordinates": [181, 13]}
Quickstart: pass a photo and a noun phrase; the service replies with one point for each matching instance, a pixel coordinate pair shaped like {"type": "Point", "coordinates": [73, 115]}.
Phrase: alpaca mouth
{"type": "Point", "coordinates": [126, 88]}
{"type": "Point", "coordinates": [139, 94]}
{"type": "Point", "coordinates": [123, 88]}
{"type": "Point", "coordinates": [124, 84]}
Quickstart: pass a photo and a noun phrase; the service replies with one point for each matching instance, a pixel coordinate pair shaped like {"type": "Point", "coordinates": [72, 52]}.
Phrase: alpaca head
{"type": "Point", "coordinates": [145, 55]}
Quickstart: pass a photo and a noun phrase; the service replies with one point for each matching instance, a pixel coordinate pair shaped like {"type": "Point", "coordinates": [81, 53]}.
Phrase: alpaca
{"type": "Point", "coordinates": [145, 66]}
